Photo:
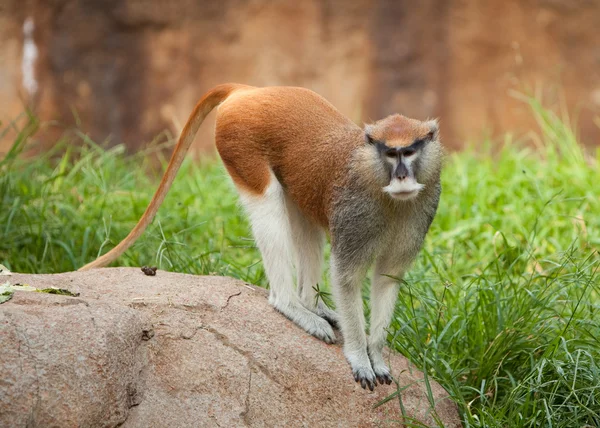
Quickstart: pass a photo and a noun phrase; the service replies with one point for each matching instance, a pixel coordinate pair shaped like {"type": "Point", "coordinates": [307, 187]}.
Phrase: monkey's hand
{"type": "Point", "coordinates": [361, 369]}
{"type": "Point", "coordinates": [382, 372]}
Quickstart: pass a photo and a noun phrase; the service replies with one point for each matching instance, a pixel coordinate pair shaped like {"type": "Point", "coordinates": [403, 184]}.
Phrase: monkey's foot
{"type": "Point", "coordinates": [328, 314]}
{"type": "Point", "coordinates": [361, 370]}
{"type": "Point", "coordinates": [321, 329]}
{"type": "Point", "coordinates": [308, 321]}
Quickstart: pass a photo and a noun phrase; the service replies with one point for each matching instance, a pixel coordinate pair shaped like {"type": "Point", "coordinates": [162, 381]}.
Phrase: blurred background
{"type": "Point", "coordinates": [126, 70]}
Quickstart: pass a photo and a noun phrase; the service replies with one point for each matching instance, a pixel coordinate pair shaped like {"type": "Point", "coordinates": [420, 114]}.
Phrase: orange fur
{"type": "Point", "coordinates": [398, 130]}
{"type": "Point", "coordinates": [282, 129]}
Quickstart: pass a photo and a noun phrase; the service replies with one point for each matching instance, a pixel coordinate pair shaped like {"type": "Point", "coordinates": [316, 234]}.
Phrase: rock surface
{"type": "Point", "coordinates": [180, 350]}
{"type": "Point", "coordinates": [133, 68]}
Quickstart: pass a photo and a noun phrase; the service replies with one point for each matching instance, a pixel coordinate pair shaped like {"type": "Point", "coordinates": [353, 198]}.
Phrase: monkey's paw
{"type": "Point", "coordinates": [365, 376]}
{"type": "Point", "coordinates": [382, 372]}
{"type": "Point", "coordinates": [361, 369]}
{"type": "Point", "coordinates": [383, 375]}
{"type": "Point", "coordinates": [321, 329]}
{"type": "Point", "coordinates": [307, 320]}
{"type": "Point", "coordinates": [328, 314]}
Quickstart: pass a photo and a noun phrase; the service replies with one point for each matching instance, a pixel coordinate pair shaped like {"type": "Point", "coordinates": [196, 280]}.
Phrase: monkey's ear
{"type": "Point", "coordinates": [434, 130]}
{"type": "Point", "coordinates": [368, 137]}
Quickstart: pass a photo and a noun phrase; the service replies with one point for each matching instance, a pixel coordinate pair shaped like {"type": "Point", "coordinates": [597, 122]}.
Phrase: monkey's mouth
{"type": "Point", "coordinates": [404, 196]}
{"type": "Point", "coordinates": [403, 190]}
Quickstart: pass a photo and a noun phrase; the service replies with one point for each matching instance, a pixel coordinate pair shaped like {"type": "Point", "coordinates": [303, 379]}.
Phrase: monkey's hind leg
{"type": "Point", "coordinates": [271, 227]}
{"type": "Point", "coordinates": [309, 240]}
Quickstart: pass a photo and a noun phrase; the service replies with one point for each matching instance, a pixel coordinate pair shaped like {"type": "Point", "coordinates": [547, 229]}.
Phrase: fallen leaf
{"type": "Point", "coordinates": [23, 287]}
{"type": "Point", "coordinates": [61, 291]}
{"type": "Point", "coordinates": [4, 270]}
{"type": "Point", "coordinates": [6, 292]}
{"type": "Point", "coordinates": [6, 289]}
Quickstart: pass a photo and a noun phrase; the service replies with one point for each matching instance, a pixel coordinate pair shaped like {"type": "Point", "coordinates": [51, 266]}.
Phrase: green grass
{"type": "Point", "coordinates": [502, 306]}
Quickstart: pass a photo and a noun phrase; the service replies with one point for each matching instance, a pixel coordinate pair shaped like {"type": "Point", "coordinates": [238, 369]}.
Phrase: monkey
{"type": "Point", "coordinates": [303, 171]}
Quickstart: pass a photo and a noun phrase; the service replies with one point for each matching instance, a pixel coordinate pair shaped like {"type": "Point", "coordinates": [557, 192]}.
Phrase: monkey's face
{"type": "Point", "coordinates": [401, 166]}
{"type": "Point", "coordinates": [409, 152]}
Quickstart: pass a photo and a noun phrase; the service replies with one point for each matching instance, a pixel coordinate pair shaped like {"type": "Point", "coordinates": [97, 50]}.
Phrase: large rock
{"type": "Point", "coordinates": [180, 350]}
{"type": "Point", "coordinates": [66, 362]}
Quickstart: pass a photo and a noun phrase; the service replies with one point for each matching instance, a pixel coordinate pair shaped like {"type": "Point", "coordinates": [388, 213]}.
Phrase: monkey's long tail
{"type": "Point", "coordinates": [209, 101]}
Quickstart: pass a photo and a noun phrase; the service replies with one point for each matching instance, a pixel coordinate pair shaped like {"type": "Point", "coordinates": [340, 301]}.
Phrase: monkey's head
{"type": "Point", "coordinates": [409, 153]}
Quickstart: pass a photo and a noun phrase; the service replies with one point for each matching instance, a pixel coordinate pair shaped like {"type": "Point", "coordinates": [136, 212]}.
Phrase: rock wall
{"type": "Point", "coordinates": [129, 69]}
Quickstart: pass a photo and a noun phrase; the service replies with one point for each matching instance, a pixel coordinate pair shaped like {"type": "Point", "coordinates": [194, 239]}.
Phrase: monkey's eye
{"type": "Point", "coordinates": [408, 153]}
{"type": "Point", "coordinates": [391, 153]}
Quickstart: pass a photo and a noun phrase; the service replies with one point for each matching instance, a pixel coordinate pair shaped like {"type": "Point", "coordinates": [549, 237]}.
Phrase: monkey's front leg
{"type": "Point", "coordinates": [347, 295]}
{"type": "Point", "coordinates": [384, 291]}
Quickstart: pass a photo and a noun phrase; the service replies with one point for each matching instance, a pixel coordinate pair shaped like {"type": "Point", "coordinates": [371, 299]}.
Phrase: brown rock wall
{"type": "Point", "coordinates": [131, 68]}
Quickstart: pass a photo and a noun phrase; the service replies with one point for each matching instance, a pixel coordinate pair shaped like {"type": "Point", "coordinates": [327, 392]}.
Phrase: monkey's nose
{"type": "Point", "coordinates": [401, 171]}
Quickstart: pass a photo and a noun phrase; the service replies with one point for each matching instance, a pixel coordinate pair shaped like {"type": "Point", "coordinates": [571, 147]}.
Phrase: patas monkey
{"type": "Point", "coordinates": [303, 169]}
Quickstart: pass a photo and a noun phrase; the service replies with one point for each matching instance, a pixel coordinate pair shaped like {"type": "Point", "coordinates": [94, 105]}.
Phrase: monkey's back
{"type": "Point", "coordinates": [291, 133]}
